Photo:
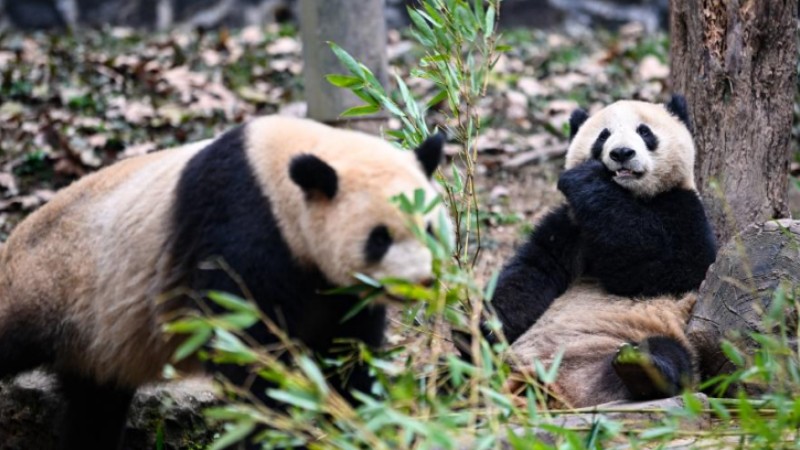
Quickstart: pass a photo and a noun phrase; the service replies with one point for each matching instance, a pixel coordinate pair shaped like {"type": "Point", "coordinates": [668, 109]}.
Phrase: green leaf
{"type": "Point", "coordinates": [349, 62]}
{"type": "Point", "coordinates": [185, 326]}
{"type": "Point", "coordinates": [480, 12]}
{"type": "Point", "coordinates": [238, 321]}
{"type": "Point", "coordinates": [488, 293]}
{"type": "Point", "coordinates": [411, 291]}
{"type": "Point", "coordinates": [433, 16]}
{"type": "Point", "coordinates": [425, 42]}
{"type": "Point", "coordinates": [227, 342]}
{"type": "Point", "coordinates": [228, 413]}
{"type": "Point", "coordinates": [299, 399]}
{"type": "Point", "coordinates": [408, 99]}
{"type": "Point", "coordinates": [313, 373]}
{"type": "Point", "coordinates": [438, 98]}
{"type": "Point", "coordinates": [359, 306]}
{"type": "Point", "coordinates": [231, 302]}
{"type": "Point", "coordinates": [435, 202]}
{"type": "Point", "coordinates": [192, 344]}
{"type": "Point", "coordinates": [343, 81]}
{"type": "Point", "coordinates": [497, 398]}
{"type": "Point", "coordinates": [458, 182]}
{"type": "Point", "coordinates": [657, 432]}
{"type": "Point", "coordinates": [404, 203]}
{"type": "Point", "coordinates": [733, 353]}
{"type": "Point", "coordinates": [368, 280]}
{"type": "Point", "coordinates": [391, 106]}
{"type": "Point", "coordinates": [422, 26]}
{"type": "Point", "coordinates": [366, 96]}
{"type": "Point", "coordinates": [234, 435]}
{"type": "Point", "coordinates": [549, 375]}
{"type": "Point", "coordinates": [363, 110]}
{"type": "Point", "coordinates": [419, 200]}
{"type": "Point", "coordinates": [489, 25]}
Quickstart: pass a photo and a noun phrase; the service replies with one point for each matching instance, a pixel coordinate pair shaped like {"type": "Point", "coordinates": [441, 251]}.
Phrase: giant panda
{"type": "Point", "coordinates": [608, 278]}
{"type": "Point", "coordinates": [283, 208]}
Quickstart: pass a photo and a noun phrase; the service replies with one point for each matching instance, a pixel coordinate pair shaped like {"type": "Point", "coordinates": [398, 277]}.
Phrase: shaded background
{"type": "Point", "coordinates": [161, 14]}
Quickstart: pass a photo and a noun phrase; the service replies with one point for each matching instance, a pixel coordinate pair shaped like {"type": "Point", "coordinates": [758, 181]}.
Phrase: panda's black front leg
{"type": "Point", "coordinates": [367, 327]}
{"type": "Point", "coordinates": [623, 234]}
{"type": "Point", "coordinates": [654, 246]}
{"type": "Point", "coordinates": [539, 272]}
{"type": "Point", "coordinates": [608, 213]}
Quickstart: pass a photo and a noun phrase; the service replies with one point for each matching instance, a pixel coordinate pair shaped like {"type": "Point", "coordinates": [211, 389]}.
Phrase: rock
{"type": "Point", "coordinates": [30, 406]}
{"type": "Point", "coordinates": [739, 286]}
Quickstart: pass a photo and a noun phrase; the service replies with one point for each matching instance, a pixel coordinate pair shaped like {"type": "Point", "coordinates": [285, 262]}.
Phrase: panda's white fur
{"type": "Point", "coordinates": [672, 166]}
{"type": "Point", "coordinates": [645, 295]}
{"type": "Point", "coordinates": [84, 278]}
{"type": "Point", "coordinates": [587, 326]}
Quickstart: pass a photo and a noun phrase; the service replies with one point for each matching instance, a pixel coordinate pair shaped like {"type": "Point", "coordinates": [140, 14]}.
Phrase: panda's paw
{"type": "Point", "coordinates": [583, 175]}
{"type": "Point", "coordinates": [641, 375]}
{"type": "Point", "coordinates": [628, 353]}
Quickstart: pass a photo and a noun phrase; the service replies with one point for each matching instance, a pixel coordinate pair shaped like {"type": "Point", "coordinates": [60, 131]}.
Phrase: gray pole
{"type": "Point", "coordinates": [359, 27]}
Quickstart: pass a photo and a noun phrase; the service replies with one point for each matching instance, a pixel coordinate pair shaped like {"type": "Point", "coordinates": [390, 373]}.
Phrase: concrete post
{"type": "Point", "coordinates": [359, 27]}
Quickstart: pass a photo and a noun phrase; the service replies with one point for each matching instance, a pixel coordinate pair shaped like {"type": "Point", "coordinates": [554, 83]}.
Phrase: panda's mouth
{"type": "Point", "coordinates": [627, 174]}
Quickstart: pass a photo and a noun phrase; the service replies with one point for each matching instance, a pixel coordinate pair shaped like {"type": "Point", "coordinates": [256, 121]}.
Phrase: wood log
{"type": "Point", "coordinates": [740, 286]}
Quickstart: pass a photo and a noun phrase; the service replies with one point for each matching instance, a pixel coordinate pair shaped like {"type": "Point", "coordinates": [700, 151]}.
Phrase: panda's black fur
{"type": "Point", "coordinates": [633, 246]}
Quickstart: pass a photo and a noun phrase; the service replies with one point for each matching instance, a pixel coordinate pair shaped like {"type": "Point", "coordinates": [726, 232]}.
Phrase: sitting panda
{"type": "Point", "coordinates": [293, 208]}
{"type": "Point", "coordinates": [608, 278]}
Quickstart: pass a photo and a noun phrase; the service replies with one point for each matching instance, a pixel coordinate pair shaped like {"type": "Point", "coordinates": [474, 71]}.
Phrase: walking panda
{"type": "Point", "coordinates": [608, 278]}
{"type": "Point", "coordinates": [292, 207]}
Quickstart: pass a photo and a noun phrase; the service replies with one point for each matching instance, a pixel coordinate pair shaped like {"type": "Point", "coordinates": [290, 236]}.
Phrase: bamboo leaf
{"type": "Point", "coordinates": [343, 81]}
{"type": "Point", "coordinates": [192, 344]}
{"type": "Point", "coordinates": [489, 24]}
{"type": "Point", "coordinates": [349, 62]}
{"type": "Point", "coordinates": [363, 110]}
{"type": "Point", "coordinates": [231, 302]}
{"type": "Point", "coordinates": [234, 435]}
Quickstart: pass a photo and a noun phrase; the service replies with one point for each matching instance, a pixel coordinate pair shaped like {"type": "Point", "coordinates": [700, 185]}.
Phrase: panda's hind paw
{"type": "Point", "coordinates": [646, 374]}
{"type": "Point", "coordinates": [641, 375]}
{"type": "Point", "coordinates": [628, 353]}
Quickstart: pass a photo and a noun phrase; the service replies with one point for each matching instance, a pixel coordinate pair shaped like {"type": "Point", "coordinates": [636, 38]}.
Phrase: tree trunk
{"type": "Point", "coordinates": [740, 286]}
{"type": "Point", "coordinates": [735, 61]}
{"type": "Point", "coordinates": [361, 31]}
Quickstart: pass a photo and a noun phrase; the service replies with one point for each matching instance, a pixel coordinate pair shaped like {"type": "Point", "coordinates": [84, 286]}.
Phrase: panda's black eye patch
{"type": "Point", "coordinates": [650, 139]}
{"type": "Point", "coordinates": [597, 147]}
{"type": "Point", "coordinates": [378, 243]}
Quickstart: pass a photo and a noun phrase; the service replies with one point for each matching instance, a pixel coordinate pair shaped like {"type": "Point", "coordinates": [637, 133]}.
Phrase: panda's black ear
{"type": "Point", "coordinates": [677, 107]}
{"type": "Point", "coordinates": [576, 119]}
{"type": "Point", "coordinates": [314, 176]}
{"type": "Point", "coordinates": [429, 153]}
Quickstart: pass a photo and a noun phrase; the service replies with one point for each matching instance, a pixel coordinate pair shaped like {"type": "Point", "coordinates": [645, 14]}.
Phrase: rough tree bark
{"type": "Point", "coordinates": [735, 61]}
{"type": "Point", "coordinates": [361, 31]}
{"type": "Point", "coordinates": [740, 286]}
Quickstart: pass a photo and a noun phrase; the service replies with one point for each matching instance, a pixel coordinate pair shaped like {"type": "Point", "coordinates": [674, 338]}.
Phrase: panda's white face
{"type": "Point", "coordinates": [357, 228]}
{"type": "Point", "coordinates": [647, 149]}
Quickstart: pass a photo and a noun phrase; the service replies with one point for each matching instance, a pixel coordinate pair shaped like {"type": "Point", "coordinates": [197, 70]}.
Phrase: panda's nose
{"type": "Point", "coordinates": [621, 155]}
